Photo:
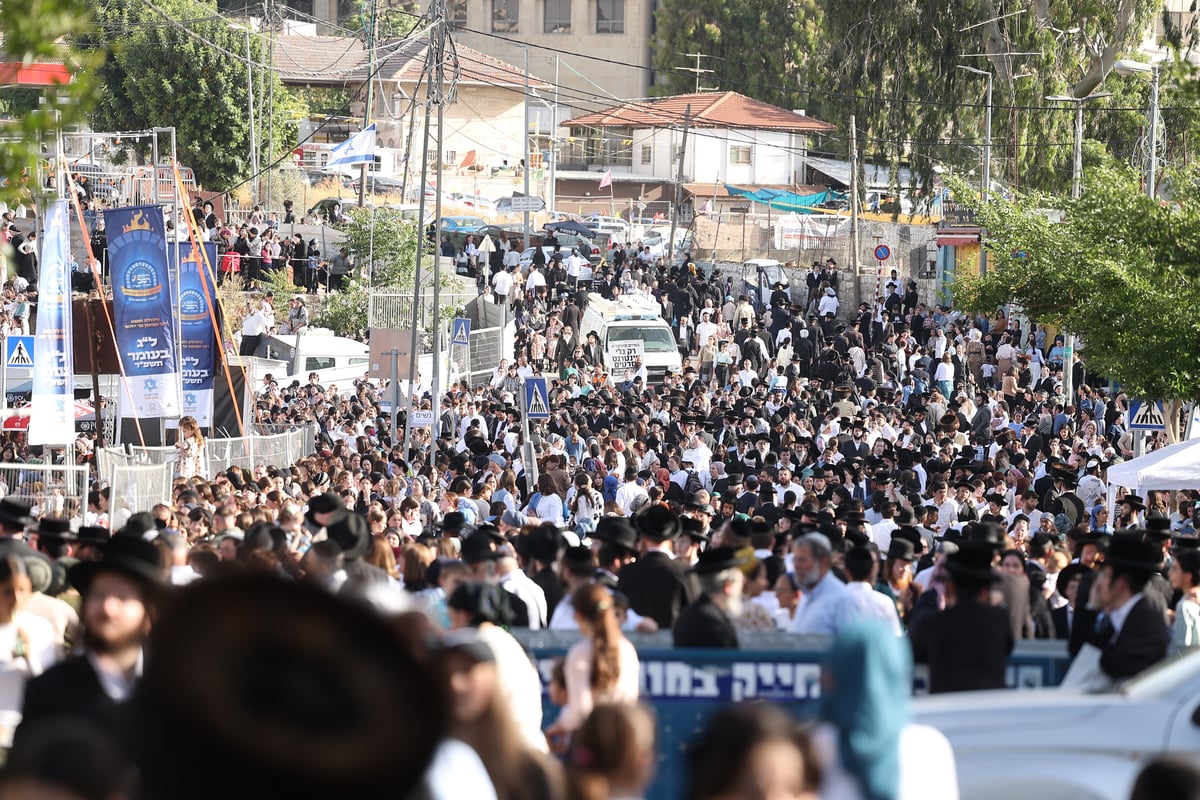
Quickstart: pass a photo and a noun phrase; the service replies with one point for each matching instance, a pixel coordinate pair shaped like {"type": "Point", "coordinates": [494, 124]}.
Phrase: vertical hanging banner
{"type": "Point", "coordinates": [54, 347]}
{"type": "Point", "coordinates": [142, 312]}
{"type": "Point", "coordinates": [197, 338]}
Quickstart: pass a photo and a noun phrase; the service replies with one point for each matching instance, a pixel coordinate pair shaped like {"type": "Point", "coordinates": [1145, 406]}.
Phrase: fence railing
{"type": "Point", "coordinates": [138, 487]}
{"type": "Point", "coordinates": [51, 489]}
{"type": "Point", "coordinates": [278, 449]}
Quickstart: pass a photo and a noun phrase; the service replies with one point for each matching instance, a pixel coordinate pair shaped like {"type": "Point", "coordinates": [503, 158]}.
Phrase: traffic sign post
{"type": "Point", "coordinates": [1147, 415]}
{"type": "Point", "coordinates": [460, 332]}
{"type": "Point", "coordinates": [18, 354]}
{"type": "Point", "coordinates": [536, 406]}
{"type": "Point", "coordinates": [882, 252]}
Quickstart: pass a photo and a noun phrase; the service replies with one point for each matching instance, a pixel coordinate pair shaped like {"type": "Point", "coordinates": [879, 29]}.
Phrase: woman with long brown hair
{"type": "Point", "coordinates": [612, 754]}
{"type": "Point", "coordinates": [602, 667]}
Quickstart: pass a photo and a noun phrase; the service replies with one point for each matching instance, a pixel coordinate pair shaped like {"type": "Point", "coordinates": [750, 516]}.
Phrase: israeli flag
{"type": "Point", "coordinates": [358, 149]}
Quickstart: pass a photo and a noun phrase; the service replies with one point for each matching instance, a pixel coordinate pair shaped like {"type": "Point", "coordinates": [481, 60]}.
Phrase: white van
{"type": "Point", "coordinates": [335, 359]}
{"type": "Point", "coordinates": [633, 319]}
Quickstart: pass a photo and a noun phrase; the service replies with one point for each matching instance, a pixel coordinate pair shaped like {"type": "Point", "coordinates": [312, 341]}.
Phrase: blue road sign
{"type": "Point", "coordinates": [18, 352]}
{"type": "Point", "coordinates": [882, 252]}
{"type": "Point", "coordinates": [537, 401]}
{"type": "Point", "coordinates": [460, 332]}
{"type": "Point", "coordinates": [1146, 415]}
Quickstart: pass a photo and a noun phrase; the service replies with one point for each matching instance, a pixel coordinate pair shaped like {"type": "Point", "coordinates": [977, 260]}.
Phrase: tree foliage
{"type": "Point", "coordinates": [32, 31]}
{"type": "Point", "coordinates": [385, 250]}
{"type": "Point", "coordinates": [1121, 270]}
{"type": "Point", "coordinates": [895, 67]}
{"type": "Point", "coordinates": [756, 47]}
{"type": "Point", "coordinates": [155, 74]}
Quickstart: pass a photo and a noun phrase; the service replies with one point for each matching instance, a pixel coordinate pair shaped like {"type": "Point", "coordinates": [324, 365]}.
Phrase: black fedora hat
{"type": "Point", "coordinates": [717, 559]}
{"type": "Point", "coordinates": [454, 521]}
{"type": "Point", "coordinates": [55, 528]}
{"type": "Point", "coordinates": [656, 523]}
{"type": "Point", "coordinates": [14, 513]}
{"type": "Point", "coordinates": [298, 693]}
{"type": "Point", "coordinates": [131, 556]}
{"type": "Point", "coordinates": [325, 502]}
{"type": "Point", "coordinates": [1131, 551]}
{"type": "Point", "coordinates": [905, 517]}
{"type": "Point", "coordinates": [693, 529]}
{"type": "Point", "coordinates": [477, 548]}
{"type": "Point", "coordinates": [93, 535]}
{"type": "Point", "coordinates": [349, 531]}
{"type": "Point", "coordinates": [615, 530]}
{"type": "Point", "coordinates": [972, 562]}
{"type": "Point", "coordinates": [1134, 502]}
{"type": "Point", "coordinates": [901, 550]}
{"type": "Point", "coordinates": [1158, 527]}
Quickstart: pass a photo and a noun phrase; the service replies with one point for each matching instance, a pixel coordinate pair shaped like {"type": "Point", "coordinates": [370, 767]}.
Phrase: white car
{"type": "Point", "coordinates": [1055, 744]}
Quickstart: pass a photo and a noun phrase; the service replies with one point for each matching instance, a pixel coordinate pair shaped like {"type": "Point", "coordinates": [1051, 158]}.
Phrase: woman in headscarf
{"type": "Point", "coordinates": [867, 747]}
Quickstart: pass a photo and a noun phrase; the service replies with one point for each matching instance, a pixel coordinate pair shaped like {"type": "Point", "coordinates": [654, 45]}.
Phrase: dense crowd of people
{"type": "Point", "coordinates": [905, 478]}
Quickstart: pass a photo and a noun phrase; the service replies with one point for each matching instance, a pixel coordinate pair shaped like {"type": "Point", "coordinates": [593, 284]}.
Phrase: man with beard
{"type": "Point", "coordinates": [707, 621]}
{"type": "Point", "coordinates": [119, 594]}
{"type": "Point", "coordinates": [812, 558]}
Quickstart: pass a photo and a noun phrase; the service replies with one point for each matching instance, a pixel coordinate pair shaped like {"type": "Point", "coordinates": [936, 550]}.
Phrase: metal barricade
{"type": "Point", "coordinates": [138, 487]}
{"type": "Point", "coordinates": [50, 489]}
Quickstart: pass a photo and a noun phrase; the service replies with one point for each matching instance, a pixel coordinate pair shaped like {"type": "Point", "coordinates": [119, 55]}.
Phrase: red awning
{"type": "Point", "coordinates": [14, 73]}
{"type": "Point", "coordinates": [955, 241]}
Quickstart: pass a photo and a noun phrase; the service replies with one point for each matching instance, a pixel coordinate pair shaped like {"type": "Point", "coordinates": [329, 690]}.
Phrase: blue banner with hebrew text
{"type": "Point", "coordinates": [142, 311]}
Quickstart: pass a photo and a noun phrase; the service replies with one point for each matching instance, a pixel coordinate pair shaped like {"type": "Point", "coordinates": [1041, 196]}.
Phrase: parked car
{"type": "Point", "coordinates": [481, 205]}
{"type": "Point", "coordinates": [463, 224]}
{"type": "Point", "coordinates": [323, 210]}
{"type": "Point", "coordinates": [377, 184]}
{"type": "Point", "coordinates": [1046, 744]}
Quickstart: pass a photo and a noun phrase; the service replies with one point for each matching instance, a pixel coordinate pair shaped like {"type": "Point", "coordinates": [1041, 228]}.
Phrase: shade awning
{"type": "Point", "coordinates": [957, 240]}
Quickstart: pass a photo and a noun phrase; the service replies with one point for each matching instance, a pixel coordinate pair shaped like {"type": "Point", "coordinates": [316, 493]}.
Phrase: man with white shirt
{"type": "Point", "coordinates": [631, 494]}
{"type": "Point", "coordinates": [502, 285]}
{"type": "Point", "coordinates": [860, 600]}
{"type": "Point", "coordinates": [812, 560]}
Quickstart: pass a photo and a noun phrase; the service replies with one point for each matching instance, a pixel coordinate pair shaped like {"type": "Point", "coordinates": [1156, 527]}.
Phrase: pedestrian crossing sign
{"type": "Point", "coordinates": [460, 332]}
{"type": "Point", "coordinates": [537, 402]}
{"type": "Point", "coordinates": [1146, 415]}
{"type": "Point", "coordinates": [18, 352]}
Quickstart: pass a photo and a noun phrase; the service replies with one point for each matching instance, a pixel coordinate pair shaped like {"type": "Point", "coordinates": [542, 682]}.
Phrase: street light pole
{"type": "Point", "coordinates": [525, 170]}
{"type": "Point", "coordinates": [986, 182]}
{"type": "Point", "coordinates": [250, 104]}
{"type": "Point", "coordinates": [1076, 193]}
{"type": "Point", "coordinates": [1129, 67]}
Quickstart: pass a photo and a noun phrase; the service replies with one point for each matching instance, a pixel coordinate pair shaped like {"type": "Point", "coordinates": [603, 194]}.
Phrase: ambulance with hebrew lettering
{"type": "Point", "coordinates": [629, 328]}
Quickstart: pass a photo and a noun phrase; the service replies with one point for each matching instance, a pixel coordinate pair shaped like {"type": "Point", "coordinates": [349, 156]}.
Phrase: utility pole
{"type": "Point", "coordinates": [687, 120]}
{"type": "Point", "coordinates": [439, 97]}
{"type": "Point", "coordinates": [414, 349]}
{"type": "Point", "coordinates": [696, 70]}
{"type": "Point", "coordinates": [553, 149]}
{"type": "Point", "coordinates": [369, 29]}
{"type": "Point", "coordinates": [854, 196]}
{"type": "Point", "coordinates": [525, 168]}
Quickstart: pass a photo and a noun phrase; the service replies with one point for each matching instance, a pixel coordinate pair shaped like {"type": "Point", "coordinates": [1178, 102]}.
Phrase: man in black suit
{"type": "Point", "coordinates": [967, 645]}
{"type": "Point", "coordinates": [1130, 631]}
{"type": "Point", "coordinates": [119, 593]}
{"type": "Point", "coordinates": [1067, 584]}
{"type": "Point", "coordinates": [706, 622]}
{"type": "Point", "coordinates": [657, 585]}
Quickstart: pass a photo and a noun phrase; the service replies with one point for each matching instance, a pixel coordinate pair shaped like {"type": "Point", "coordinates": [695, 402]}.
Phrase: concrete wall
{"type": "Point", "coordinates": [738, 237]}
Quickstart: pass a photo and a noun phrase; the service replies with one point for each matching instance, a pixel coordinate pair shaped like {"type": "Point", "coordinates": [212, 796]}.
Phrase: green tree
{"type": "Point", "coordinates": [757, 47]}
{"type": "Point", "coordinates": [32, 31]}
{"type": "Point", "coordinates": [188, 72]}
{"type": "Point", "coordinates": [1121, 270]}
{"type": "Point", "coordinates": [897, 71]}
{"type": "Point", "coordinates": [385, 250]}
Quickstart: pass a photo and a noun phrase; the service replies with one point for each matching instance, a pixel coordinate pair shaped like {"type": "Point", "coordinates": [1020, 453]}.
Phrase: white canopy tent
{"type": "Point", "coordinates": [1176, 466]}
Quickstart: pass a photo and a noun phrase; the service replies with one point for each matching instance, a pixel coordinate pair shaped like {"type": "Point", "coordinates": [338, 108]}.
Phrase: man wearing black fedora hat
{"type": "Point", "coordinates": [658, 585]}
{"type": "Point", "coordinates": [707, 621]}
{"type": "Point", "coordinates": [966, 645]}
{"type": "Point", "coordinates": [1130, 630]}
{"type": "Point", "coordinates": [120, 592]}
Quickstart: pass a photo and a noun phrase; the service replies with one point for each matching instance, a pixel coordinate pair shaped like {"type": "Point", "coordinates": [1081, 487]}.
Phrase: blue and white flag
{"type": "Point", "coordinates": [53, 352]}
{"type": "Point", "coordinates": [358, 149]}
